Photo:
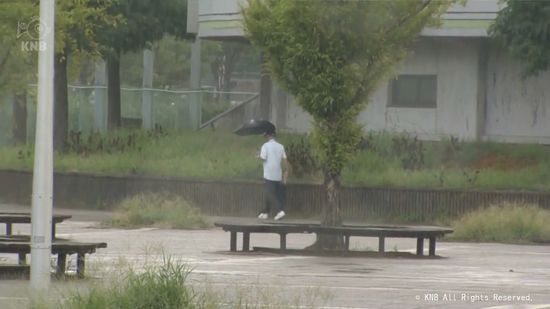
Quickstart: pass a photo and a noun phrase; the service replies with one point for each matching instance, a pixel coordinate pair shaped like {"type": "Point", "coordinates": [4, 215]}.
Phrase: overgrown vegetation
{"type": "Point", "coordinates": [168, 286]}
{"type": "Point", "coordinates": [156, 287]}
{"type": "Point", "coordinates": [160, 210]}
{"type": "Point", "coordinates": [507, 223]}
{"type": "Point", "coordinates": [394, 160]}
{"type": "Point", "coordinates": [193, 155]}
{"type": "Point", "coordinates": [97, 143]}
{"type": "Point", "coordinates": [381, 160]}
{"type": "Point", "coordinates": [300, 153]}
{"type": "Point", "coordinates": [213, 109]}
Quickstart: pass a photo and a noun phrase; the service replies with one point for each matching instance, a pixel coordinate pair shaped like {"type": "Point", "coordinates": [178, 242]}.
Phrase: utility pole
{"type": "Point", "coordinates": [195, 100]}
{"type": "Point", "coordinates": [100, 100]}
{"type": "Point", "coordinates": [195, 82]}
{"type": "Point", "coordinates": [147, 119]}
{"type": "Point", "coordinates": [42, 189]}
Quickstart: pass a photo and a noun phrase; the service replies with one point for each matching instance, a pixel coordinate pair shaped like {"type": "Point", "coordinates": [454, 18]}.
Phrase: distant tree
{"type": "Point", "coordinates": [12, 15]}
{"type": "Point", "coordinates": [17, 66]}
{"type": "Point", "coordinates": [223, 65]}
{"type": "Point", "coordinates": [332, 55]}
{"type": "Point", "coordinates": [76, 29]}
{"type": "Point", "coordinates": [145, 21]}
{"type": "Point", "coordinates": [524, 29]}
{"type": "Point", "coordinates": [172, 63]}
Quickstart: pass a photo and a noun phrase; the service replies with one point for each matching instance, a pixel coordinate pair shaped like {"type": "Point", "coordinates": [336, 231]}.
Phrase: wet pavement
{"type": "Point", "coordinates": [468, 275]}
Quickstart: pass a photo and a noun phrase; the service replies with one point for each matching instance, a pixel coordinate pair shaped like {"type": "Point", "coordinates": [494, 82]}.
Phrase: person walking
{"type": "Point", "coordinates": [276, 168]}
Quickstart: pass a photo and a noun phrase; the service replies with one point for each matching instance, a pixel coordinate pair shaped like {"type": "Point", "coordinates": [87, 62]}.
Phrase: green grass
{"type": "Point", "coordinates": [160, 287]}
{"type": "Point", "coordinates": [507, 223]}
{"type": "Point", "coordinates": [528, 179]}
{"type": "Point", "coordinates": [253, 294]}
{"type": "Point", "coordinates": [213, 109]}
{"type": "Point", "coordinates": [449, 164]}
{"type": "Point", "coordinates": [201, 156]}
{"type": "Point", "coordinates": [167, 286]}
{"type": "Point", "coordinates": [385, 160]}
{"type": "Point", "coordinates": [159, 210]}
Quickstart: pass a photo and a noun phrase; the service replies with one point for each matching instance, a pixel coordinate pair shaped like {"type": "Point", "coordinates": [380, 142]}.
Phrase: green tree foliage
{"type": "Point", "coordinates": [332, 56]}
{"type": "Point", "coordinates": [15, 63]}
{"type": "Point", "coordinates": [76, 23]}
{"type": "Point", "coordinates": [145, 22]}
{"type": "Point", "coordinates": [524, 29]}
{"type": "Point", "coordinates": [17, 66]}
{"type": "Point", "coordinates": [172, 61]}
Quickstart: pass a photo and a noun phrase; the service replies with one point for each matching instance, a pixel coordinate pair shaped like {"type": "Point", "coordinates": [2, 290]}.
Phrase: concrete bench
{"type": "Point", "coordinates": [346, 231]}
{"type": "Point", "coordinates": [10, 218]}
{"type": "Point", "coordinates": [22, 246]}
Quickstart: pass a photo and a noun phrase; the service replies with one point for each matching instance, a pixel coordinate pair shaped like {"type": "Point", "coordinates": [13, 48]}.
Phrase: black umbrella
{"type": "Point", "coordinates": [254, 127]}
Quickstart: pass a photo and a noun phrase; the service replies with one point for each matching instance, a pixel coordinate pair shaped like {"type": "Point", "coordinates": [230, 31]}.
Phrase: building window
{"type": "Point", "coordinates": [417, 91]}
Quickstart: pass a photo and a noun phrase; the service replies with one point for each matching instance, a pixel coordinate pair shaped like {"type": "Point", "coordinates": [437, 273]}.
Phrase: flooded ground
{"type": "Point", "coordinates": [469, 275]}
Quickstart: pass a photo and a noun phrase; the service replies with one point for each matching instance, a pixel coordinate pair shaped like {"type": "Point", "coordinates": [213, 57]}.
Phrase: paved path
{"type": "Point", "coordinates": [469, 275]}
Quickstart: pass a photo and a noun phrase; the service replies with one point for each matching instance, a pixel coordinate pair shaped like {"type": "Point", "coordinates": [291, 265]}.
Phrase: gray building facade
{"type": "Point", "coordinates": [454, 82]}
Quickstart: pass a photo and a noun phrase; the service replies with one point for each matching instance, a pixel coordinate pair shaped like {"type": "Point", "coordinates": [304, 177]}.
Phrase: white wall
{"type": "Point", "coordinates": [297, 119]}
{"type": "Point", "coordinates": [517, 110]}
{"type": "Point", "coordinates": [455, 62]}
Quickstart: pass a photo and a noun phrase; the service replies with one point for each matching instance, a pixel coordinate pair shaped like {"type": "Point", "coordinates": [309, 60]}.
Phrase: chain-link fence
{"type": "Point", "coordinates": [140, 108]}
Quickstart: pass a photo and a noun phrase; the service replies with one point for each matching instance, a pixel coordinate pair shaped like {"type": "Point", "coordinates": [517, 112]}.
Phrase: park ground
{"type": "Point", "coordinates": [468, 275]}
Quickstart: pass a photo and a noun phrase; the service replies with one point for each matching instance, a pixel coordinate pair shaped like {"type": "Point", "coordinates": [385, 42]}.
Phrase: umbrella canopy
{"type": "Point", "coordinates": [254, 127]}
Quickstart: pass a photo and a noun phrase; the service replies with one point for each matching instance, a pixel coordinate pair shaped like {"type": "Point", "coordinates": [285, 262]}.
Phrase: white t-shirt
{"type": "Point", "coordinates": [273, 153]}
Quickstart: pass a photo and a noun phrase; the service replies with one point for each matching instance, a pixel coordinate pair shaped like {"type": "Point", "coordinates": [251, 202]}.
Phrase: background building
{"type": "Point", "coordinates": [455, 82]}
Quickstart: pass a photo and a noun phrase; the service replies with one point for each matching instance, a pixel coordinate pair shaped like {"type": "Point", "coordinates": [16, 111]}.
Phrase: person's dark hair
{"type": "Point", "coordinates": [270, 131]}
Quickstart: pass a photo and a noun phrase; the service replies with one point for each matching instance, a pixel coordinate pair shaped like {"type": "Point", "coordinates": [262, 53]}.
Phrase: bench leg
{"type": "Point", "coordinates": [246, 241]}
{"type": "Point", "coordinates": [61, 262]}
{"type": "Point", "coordinates": [283, 241]}
{"type": "Point", "coordinates": [53, 230]}
{"type": "Point", "coordinates": [80, 265]}
{"type": "Point", "coordinates": [233, 241]}
{"type": "Point", "coordinates": [381, 244]}
{"type": "Point", "coordinates": [22, 259]}
{"type": "Point", "coordinates": [432, 246]}
{"type": "Point", "coordinates": [420, 246]}
{"type": "Point", "coordinates": [346, 242]}
{"type": "Point", "coordinates": [8, 229]}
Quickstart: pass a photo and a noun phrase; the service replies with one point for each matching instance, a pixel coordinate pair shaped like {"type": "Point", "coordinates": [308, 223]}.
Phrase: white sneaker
{"type": "Point", "coordinates": [280, 215]}
{"type": "Point", "coordinates": [263, 216]}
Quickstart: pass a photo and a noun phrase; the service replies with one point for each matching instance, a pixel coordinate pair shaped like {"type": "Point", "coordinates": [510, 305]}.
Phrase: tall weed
{"type": "Point", "coordinates": [159, 210]}
{"type": "Point", "coordinates": [506, 222]}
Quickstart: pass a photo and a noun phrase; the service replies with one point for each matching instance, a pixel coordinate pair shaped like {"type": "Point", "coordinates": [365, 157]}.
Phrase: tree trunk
{"type": "Point", "coordinates": [114, 111]}
{"type": "Point", "coordinates": [332, 216]}
{"type": "Point", "coordinates": [19, 129]}
{"type": "Point", "coordinates": [61, 106]}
